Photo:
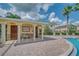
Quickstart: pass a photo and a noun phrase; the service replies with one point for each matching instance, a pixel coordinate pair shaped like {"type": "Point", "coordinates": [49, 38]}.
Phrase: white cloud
{"type": "Point", "coordinates": [2, 12]}
{"type": "Point", "coordinates": [13, 10]}
{"type": "Point", "coordinates": [64, 23]}
{"type": "Point", "coordinates": [52, 15]}
{"type": "Point", "coordinates": [27, 16]}
{"type": "Point", "coordinates": [42, 16]}
{"type": "Point", "coordinates": [70, 22]}
{"type": "Point", "coordinates": [46, 6]}
{"type": "Point", "coordinates": [33, 16]}
{"type": "Point", "coordinates": [31, 9]}
{"type": "Point", "coordinates": [56, 19]}
{"type": "Point", "coordinates": [30, 15]}
{"type": "Point", "coordinates": [27, 10]}
{"type": "Point", "coordinates": [76, 23]}
{"type": "Point", "coordinates": [52, 18]}
{"type": "Point", "coordinates": [27, 7]}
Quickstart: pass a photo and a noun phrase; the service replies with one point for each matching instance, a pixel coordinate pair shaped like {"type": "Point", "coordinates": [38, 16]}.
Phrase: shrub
{"type": "Point", "coordinates": [57, 33]}
{"type": "Point", "coordinates": [47, 31]}
{"type": "Point", "coordinates": [76, 33]}
{"type": "Point", "coordinates": [70, 33]}
{"type": "Point", "coordinates": [50, 33]}
{"type": "Point", "coordinates": [63, 33]}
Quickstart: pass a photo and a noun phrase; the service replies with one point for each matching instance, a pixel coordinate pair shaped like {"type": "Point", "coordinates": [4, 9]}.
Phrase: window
{"type": "Point", "coordinates": [26, 28]}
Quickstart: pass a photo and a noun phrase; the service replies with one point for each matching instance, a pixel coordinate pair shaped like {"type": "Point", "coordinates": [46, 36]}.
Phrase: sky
{"type": "Point", "coordinates": [39, 11]}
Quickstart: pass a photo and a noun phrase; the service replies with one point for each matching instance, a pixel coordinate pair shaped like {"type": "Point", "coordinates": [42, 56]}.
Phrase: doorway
{"type": "Point", "coordinates": [36, 32]}
{"type": "Point", "coordinates": [14, 29]}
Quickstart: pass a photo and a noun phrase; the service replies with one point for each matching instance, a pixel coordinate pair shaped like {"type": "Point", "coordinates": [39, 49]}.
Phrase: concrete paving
{"type": "Point", "coordinates": [45, 48]}
{"type": "Point", "coordinates": [6, 47]}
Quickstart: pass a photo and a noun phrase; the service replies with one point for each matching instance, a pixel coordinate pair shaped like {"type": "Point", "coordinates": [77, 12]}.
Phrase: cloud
{"type": "Point", "coordinates": [2, 12]}
{"type": "Point", "coordinates": [26, 7]}
{"type": "Point", "coordinates": [64, 23]}
{"type": "Point", "coordinates": [71, 21]}
{"type": "Point", "coordinates": [33, 16]}
{"type": "Point", "coordinates": [27, 10]}
{"type": "Point", "coordinates": [76, 23]}
{"type": "Point", "coordinates": [35, 7]}
{"type": "Point", "coordinates": [52, 18]}
{"type": "Point", "coordinates": [46, 6]}
{"type": "Point", "coordinates": [27, 16]}
{"type": "Point", "coordinates": [56, 19]}
{"type": "Point", "coordinates": [52, 15]}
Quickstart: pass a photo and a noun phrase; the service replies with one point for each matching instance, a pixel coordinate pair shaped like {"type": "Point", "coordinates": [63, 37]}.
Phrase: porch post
{"type": "Point", "coordinates": [19, 34]}
{"type": "Point", "coordinates": [34, 32]}
{"type": "Point", "coordinates": [3, 33]}
{"type": "Point", "coordinates": [54, 30]}
{"type": "Point", "coordinates": [38, 32]}
{"type": "Point", "coordinates": [42, 32]}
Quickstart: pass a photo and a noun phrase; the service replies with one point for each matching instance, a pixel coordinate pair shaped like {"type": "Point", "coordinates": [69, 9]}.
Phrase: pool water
{"type": "Point", "coordinates": [75, 42]}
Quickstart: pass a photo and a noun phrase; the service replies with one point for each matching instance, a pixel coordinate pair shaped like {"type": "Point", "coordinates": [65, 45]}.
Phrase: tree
{"type": "Point", "coordinates": [11, 15]}
{"type": "Point", "coordinates": [52, 26]}
{"type": "Point", "coordinates": [66, 12]}
{"type": "Point", "coordinates": [72, 28]}
{"type": "Point", "coordinates": [76, 7]}
{"type": "Point", "coordinates": [48, 31]}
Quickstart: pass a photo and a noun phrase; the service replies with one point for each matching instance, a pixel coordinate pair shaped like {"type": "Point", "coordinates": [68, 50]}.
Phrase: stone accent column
{"type": "Point", "coordinates": [34, 34]}
{"type": "Point", "coordinates": [19, 34]}
{"type": "Point", "coordinates": [42, 32]}
{"type": "Point", "coordinates": [3, 33]}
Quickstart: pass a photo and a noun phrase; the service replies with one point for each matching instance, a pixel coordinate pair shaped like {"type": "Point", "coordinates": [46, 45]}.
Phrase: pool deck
{"type": "Point", "coordinates": [55, 47]}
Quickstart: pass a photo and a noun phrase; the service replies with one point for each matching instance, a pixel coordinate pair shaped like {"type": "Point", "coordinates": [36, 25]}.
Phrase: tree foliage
{"type": "Point", "coordinates": [72, 28]}
{"type": "Point", "coordinates": [11, 15]}
{"type": "Point", "coordinates": [48, 31]}
{"type": "Point", "coordinates": [66, 11]}
{"type": "Point", "coordinates": [76, 7]}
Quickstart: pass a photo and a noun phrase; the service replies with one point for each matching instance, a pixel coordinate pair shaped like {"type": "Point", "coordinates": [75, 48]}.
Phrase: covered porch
{"type": "Point", "coordinates": [21, 31]}
{"type": "Point", "coordinates": [30, 33]}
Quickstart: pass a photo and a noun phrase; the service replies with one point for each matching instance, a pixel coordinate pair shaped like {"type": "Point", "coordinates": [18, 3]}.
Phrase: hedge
{"type": "Point", "coordinates": [69, 33]}
{"type": "Point", "coordinates": [57, 33]}
{"type": "Point", "coordinates": [63, 33]}
{"type": "Point", "coordinates": [76, 33]}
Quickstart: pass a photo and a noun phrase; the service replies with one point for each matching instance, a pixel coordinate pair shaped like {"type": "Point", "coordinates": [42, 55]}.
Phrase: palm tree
{"type": "Point", "coordinates": [76, 7]}
{"type": "Point", "coordinates": [66, 12]}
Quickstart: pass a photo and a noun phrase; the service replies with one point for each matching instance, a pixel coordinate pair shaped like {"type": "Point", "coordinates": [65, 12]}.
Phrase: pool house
{"type": "Point", "coordinates": [18, 29]}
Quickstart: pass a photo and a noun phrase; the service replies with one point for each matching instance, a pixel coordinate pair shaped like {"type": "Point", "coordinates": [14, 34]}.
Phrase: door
{"type": "Point", "coordinates": [0, 32]}
{"type": "Point", "coordinates": [13, 32]}
{"type": "Point", "coordinates": [36, 32]}
{"type": "Point", "coordinates": [6, 32]}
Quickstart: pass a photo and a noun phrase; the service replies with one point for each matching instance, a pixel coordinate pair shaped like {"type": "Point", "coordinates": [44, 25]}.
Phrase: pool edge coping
{"type": "Point", "coordinates": [69, 50]}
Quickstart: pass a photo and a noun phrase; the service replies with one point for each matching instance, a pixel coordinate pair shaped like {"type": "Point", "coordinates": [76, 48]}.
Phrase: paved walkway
{"type": "Point", "coordinates": [6, 47]}
{"type": "Point", "coordinates": [45, 48]}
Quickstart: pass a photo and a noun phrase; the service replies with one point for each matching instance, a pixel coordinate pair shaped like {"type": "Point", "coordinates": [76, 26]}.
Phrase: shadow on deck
{"type": "Point", "coordinates": [28, 41]}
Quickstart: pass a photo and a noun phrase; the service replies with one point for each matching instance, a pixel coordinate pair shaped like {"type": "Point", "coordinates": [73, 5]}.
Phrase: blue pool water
{"type": "Point", "coordinates": [75, 42]}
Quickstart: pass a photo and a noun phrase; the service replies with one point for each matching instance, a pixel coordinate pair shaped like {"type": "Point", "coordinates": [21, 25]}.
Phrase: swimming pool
{"type": "Point", "coordinates": [75, 42]}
